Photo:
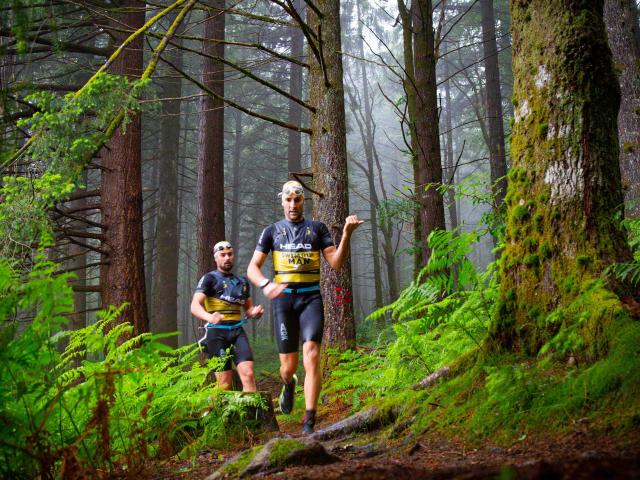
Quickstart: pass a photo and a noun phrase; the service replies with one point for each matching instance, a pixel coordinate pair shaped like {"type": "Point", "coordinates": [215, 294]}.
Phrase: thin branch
{"type": "Point", "coordinates": [249, 74]}
{"type": "Point", "coordinates": [231, 103]}
{"type": "Point", "coordinates": [297, 177]}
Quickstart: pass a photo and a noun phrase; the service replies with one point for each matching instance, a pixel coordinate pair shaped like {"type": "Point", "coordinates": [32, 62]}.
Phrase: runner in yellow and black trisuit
{"type": "Point", "coordinates": [218, 300]}
{"type": "Point", "coordinates": [296, 244]}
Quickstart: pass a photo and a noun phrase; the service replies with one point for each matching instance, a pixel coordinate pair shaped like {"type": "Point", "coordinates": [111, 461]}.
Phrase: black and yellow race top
{"type": "Point", "coordinates": [226, 293]}
{"type": "Point", "coordinates": [296, 250]}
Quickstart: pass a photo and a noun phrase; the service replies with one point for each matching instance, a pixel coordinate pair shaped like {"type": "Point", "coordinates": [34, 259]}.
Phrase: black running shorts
{"type": "Point", "coordinates": [219, 340]}
{"type": "Point", "coordinates": [298, 314]}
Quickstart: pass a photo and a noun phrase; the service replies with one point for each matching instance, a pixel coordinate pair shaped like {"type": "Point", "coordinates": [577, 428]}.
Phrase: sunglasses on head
{"type": "Point", "coordinates": [292, 190]}
{"type": "Point", "coordinates": [221, 246]}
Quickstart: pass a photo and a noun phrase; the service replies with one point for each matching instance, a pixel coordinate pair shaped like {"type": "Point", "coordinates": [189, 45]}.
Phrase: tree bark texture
{"type": "Point", "coordinates": [235, 193]}
{"type": "Point", "coordinates": [450, 171]}
{"type": "Point", "coordinates": [621, 19]}
{"type": "Point", "coordinates": [564, 186]}
{"type": "Point", "coordinates": [165, 289]}
{"type": "Point", "coordinates": [122, 280]}
{"type": "Point", "coordinates": [294, 144]}
{"type": "Point", "coordinates": [427, 132]}
{"type": "Point", "coordinates": [410, 92]}
{"type": "Point", "coordinates": [78, 264]}
{"type": "Point", "coordinates": [369, 145]}
{"type": "Point", "coordinates": [329, 166]}
{"type": "Point", "coordinates": [497, 158]}
{"type": "Point", "coordinates": [210, 180]}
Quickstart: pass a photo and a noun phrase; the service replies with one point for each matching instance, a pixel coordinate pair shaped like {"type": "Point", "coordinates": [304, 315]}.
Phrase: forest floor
{"type": "Point", "coordinates": [582, 453]}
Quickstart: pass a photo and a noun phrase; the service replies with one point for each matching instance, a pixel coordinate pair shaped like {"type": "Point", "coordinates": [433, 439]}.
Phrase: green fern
{"type": "Point", "coordinates": [108, 400]}
{"type": "Point", "coordinates": [628, 272]}
{"type": "Point", "coordinates": [447, 271]}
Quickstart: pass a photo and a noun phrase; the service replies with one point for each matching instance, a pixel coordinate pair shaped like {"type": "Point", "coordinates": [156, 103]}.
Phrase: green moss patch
{"type": "Point", "coordinates": [282, 450]}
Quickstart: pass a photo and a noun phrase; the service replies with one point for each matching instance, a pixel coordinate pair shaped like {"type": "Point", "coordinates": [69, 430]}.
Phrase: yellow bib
{"type": "Point", "coordinates": [231, 311]}
{"type": "Point", "coordinates": [296, 267]}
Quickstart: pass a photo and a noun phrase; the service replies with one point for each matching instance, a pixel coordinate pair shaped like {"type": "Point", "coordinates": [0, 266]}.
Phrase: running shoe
{"type": "Point", "coordinates": [286, 395]}
{"type": "Point", "coordinates": [309, 422]}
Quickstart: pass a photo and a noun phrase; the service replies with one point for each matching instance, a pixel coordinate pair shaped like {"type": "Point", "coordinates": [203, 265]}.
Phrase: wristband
{"type": "Point", "coordinates": [264, 283]}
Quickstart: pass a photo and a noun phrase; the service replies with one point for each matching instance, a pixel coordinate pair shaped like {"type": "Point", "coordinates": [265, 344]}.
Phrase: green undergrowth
{"type": "Point", "coordinates": [504, 397]}
{"type": "Point", "coordinates": [98, 400]}
{"type": "Point", "coordinates": [587, 369]}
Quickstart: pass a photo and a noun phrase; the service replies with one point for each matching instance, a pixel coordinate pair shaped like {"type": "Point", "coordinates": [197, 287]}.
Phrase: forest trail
{"type": "Point", "coordinates": [582, 452]}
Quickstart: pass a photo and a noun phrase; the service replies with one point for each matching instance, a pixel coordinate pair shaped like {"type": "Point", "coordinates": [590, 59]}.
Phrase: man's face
{"type": "Point", "coordinates": [224, 260]}
{"type": "Point", "coordinates": [293, 207]}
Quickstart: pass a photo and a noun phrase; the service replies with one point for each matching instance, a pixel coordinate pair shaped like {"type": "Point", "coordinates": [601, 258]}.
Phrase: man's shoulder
{"type": "Point", "coordinates": [317, 225]}
{"type": "Point", "coordinates": [207, 281]}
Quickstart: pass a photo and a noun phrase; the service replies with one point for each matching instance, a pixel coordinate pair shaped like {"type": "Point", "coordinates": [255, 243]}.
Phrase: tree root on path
{"type": "Point", "coordinates": [275, 455]}
{"type": "Point", "coordinates": [280, 452]}
{"type": "Point", "coordinates": [371, 419]}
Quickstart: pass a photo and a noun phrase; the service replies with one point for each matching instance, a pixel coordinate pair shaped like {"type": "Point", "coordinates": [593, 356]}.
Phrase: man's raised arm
{"type": "Point", "coordinates": [336, 257]}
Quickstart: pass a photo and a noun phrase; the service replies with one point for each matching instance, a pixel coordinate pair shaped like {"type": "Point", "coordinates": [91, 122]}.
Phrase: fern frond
{"type": "Point", "coordinates": [628, 272]}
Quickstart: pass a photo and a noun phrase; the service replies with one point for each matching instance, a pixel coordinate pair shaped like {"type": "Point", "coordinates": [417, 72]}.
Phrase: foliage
{"type": "Point", "coordinates": [586, 371]}
{"type": "Point", "coordinates": [359, 374]}
{"type": "Point", "coordinates": [629, 272]}
{"type": "Point", "coordinates": [440, 316]}
{"type": "Point", "coordinates": [66, 133]}
{"type": "Point", "coordinates": [447, 271]}
{"type": "Point", "coordinates": [106, 402]}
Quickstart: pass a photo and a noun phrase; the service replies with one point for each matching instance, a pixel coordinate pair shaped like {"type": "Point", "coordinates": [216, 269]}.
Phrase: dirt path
{"type": "Point", "coordinates": [575, 456]}
{"type": "Point", "coordinates": [581, 454]}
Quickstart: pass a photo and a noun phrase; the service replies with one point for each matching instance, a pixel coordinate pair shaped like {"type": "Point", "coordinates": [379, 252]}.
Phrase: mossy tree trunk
{"type": "Point", "coordinates": [621, 19]}
{"type": "Point", "coordinates": [564, 193]}
{"type": "Point", "coordinates": [329, 166]}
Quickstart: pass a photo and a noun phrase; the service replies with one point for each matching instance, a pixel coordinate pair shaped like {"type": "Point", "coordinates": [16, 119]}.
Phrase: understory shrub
{"type": "Point", "coordinates": [98, 401]}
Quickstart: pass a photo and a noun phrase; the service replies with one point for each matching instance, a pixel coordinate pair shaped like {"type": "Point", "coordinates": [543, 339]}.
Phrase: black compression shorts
{"type": "Point", "coordinates": [219, 340]}
{"type": "Point", "coordinates": [298, 314]}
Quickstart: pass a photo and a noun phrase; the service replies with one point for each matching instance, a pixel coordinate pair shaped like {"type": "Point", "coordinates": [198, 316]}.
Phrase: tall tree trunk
{"type": "Point", "coordinates": [621, 19]}
{"type": "Point", "coordinates": [210, 181]}
{"type": "Point", "coordinates": [165, 289]}
{"type": "Point", "coordinates": [294, 145]}
{"type": "Point", "coordinates": [449, 177]}
{"type": "Point", "coordinates": [150, 217]}
{"type": "Point", "coordinates": [410, 91]}
{"type": "Point", "coordinates": [368, 143]}
{"type": "Point", "coordinates": [564, 187]}
{"type": "Point", "coordinates": [122, 280]}
{"type": "Point", "coordinates": [329, 165]}
{"type": "Point", "coordinates": [235, 193]}
{"type": "Point", "coordinates": [429, 167]}
{"type": "Point", "coordinates": [78, 264]}
{"type": "Point", "coordinates": [497, 158]}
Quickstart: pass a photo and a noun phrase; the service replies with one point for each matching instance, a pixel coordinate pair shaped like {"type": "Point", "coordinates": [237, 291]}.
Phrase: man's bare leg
{"type": "Point", "coordinates": [312, 377]}
{"type": "Point", "coordinates": [245, 370]}
{"type": "Point", "coordinates": [225, 379]}
{"type": "Point", "coordinates": [288, 366]}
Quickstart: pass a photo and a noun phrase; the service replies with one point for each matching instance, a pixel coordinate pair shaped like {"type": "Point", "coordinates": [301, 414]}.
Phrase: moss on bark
{"type": "Point", "coordinates": [564, 188]}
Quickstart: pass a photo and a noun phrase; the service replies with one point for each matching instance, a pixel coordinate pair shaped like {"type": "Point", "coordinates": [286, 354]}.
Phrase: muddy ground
{"type": "Point", "coordinates": [581, 453]}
